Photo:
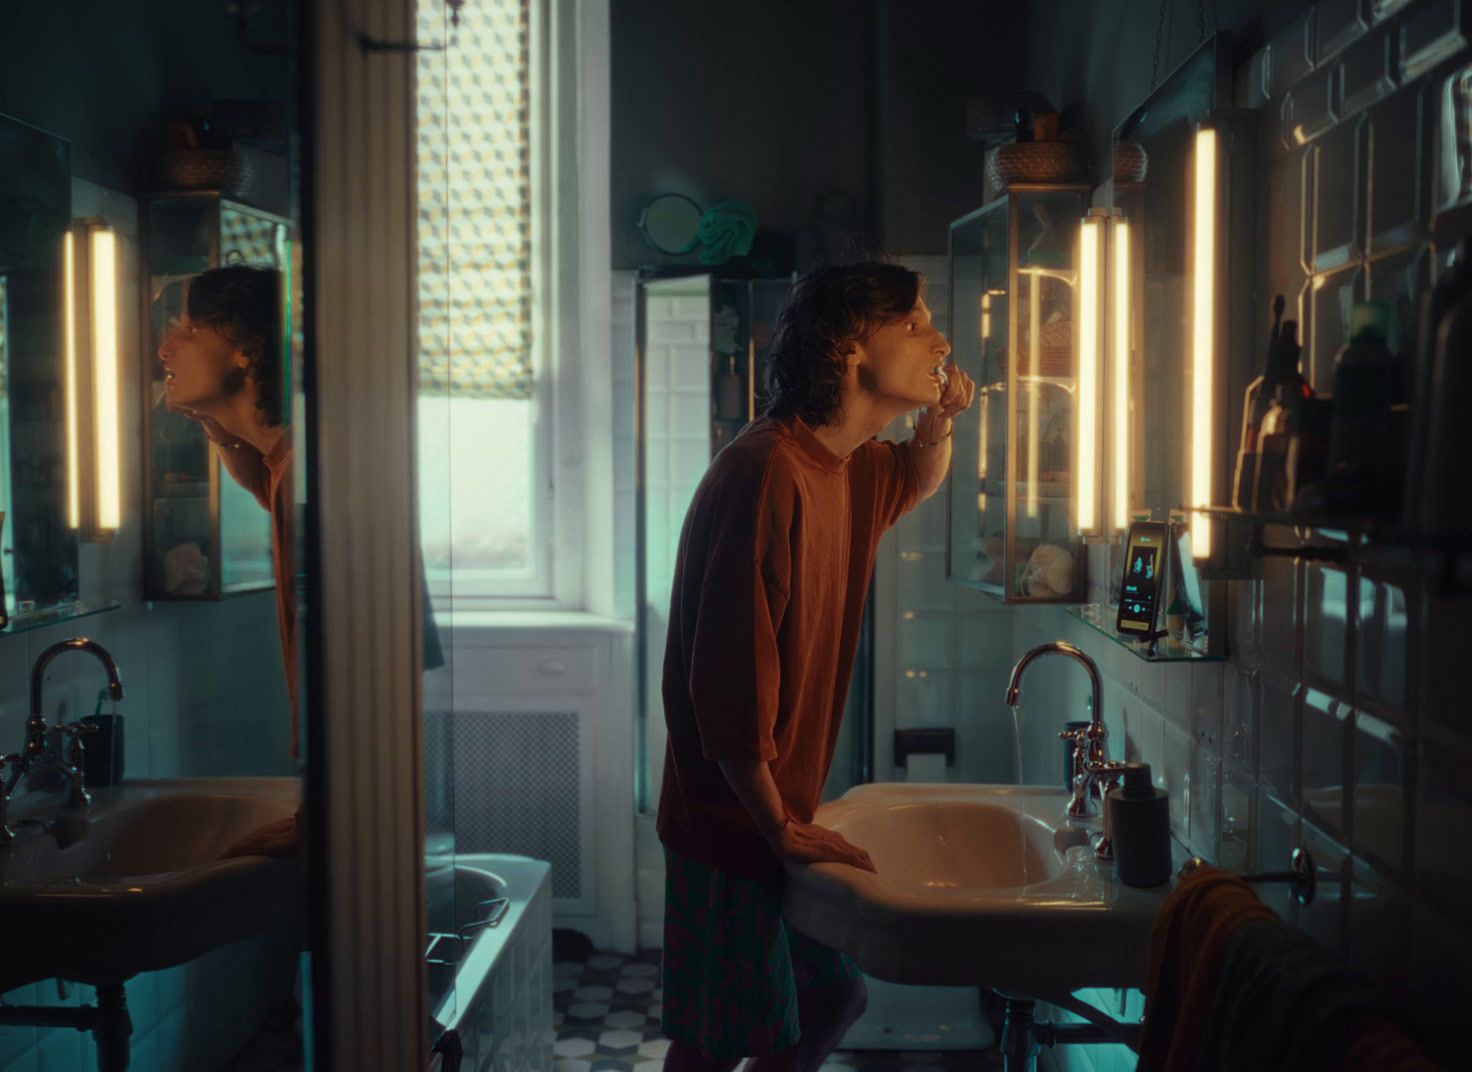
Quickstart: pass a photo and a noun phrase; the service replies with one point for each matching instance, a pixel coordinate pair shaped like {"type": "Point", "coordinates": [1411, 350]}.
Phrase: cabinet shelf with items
{"type": "Point", "coordinates": [205, 537]}
{"type": "Point", "coordinates": [1013, 264]}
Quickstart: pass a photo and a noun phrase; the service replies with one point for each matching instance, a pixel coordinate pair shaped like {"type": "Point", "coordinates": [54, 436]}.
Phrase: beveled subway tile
{"type": "Point", "coordinates": [1176, 750]}
{"type": "Point", "coordinates": [1397, 195]}
{"type": "Point", "coordinates": [1283, 205]}
{"type": "Point", "coordinates": [1442, 863]}
{"type": "Point", "coordinates": [1448, 101]}
{"type": "Point", "coordinates": [1379, 923]}
{"type": "Point", "coordinates": [1339, 23]}
{"type": "Point", "coordinates": [1240, 695]}
{"type": "Point", "coordinates": [1433, 32]}
{"type": "Point", "coordinates": [1281, 616]}
{"type": "Point", "coordinates": [1254, 88]}
{"type": "Point", "coordinates": [1366, 74]}
{"type": "Point", "coordinates": [1275, 836]}
{"type": "Point", "coordinates": [1324, 730]}
{"type": "Point", "coordinates": [1237, 798]}
{"type": "Point", "coordinates": [1381, 10]}
{"type": "Point", "coordinates": [1277, 760]}
{"type": "Point", "coordinates": [1382, 647]}
{"type": "Point", "coordinates": [1380, 760]}
{"type": "Point", "coordinates": [1338, 202]}
{"type": "Point", "coordinates": [1326, 627]}
{"type": "Point", "coordinates": [1244, 607]}
{"type": "Point", "coordinates": [1324, 920]}
{"type": "Point", "coordinates": [1311, 108]}
{"type": "Point", "coordinates": [1288, 54]}
{"type": "Point", "coordinates": [1441, 689]}
{"type": "Point", "coordinates": [1204, 828]}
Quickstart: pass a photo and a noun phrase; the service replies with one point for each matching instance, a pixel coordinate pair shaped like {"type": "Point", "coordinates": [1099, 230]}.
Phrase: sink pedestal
{"type": "Point", "coordinates": [108, 1020]}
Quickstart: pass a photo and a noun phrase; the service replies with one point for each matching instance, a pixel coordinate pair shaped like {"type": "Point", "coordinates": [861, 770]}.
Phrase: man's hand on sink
{"type": "Point", "coordinates": [808, 843]}
{"type": "Point", "coordinates": [274, 839]}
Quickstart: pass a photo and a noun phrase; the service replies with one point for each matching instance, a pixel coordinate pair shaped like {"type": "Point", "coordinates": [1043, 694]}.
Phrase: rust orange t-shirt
{"type": "Point", "coordinates": [773, 568]}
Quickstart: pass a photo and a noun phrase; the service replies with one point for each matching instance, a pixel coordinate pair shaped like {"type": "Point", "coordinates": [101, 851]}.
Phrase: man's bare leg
{"type": "Point", "coordinates": [682, 1058]}
{"type": "Point", "coordinates": [824, 1014]}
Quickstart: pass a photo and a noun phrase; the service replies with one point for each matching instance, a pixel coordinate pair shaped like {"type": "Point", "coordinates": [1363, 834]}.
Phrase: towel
{"type": "Point", "coordinates": [1284, 1002]}
{"type": "Point", "coordinates": [1187, 947]}
{"type": "Point", "coordinates": [727, 230]}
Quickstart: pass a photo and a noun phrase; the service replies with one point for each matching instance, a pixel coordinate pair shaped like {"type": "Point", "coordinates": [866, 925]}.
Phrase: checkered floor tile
{"type": "Point", "coordinates": [607, 1013]}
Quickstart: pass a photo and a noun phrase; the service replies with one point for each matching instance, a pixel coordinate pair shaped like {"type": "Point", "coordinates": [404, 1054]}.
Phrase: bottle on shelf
{"type": "Point", "coordinates": [1361, 449]}
{"type": "Point", "coordinates": [1281, 371]}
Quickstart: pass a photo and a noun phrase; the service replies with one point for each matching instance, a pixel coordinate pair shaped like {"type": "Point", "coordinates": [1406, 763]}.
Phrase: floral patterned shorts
{"type": "Point", "coordinates": [732, 967]}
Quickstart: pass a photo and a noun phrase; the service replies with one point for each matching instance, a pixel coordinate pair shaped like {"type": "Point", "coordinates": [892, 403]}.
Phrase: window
{"type": "Point", "coordinates": [486, 400]}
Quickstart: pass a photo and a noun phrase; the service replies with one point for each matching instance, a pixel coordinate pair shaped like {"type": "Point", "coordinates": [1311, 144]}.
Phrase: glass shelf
{"type": "Point", "coordinates": [67, 612]}
{"type": "Point", "coordinates": [1101, 618]}
{"type": "Point", "coordinates": [1354, 529]}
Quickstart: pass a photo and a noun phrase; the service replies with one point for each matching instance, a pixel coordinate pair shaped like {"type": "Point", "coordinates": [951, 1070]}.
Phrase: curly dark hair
{"type": "Point", "coordinates": [829, 309]}
{"type": "Point", "coordinates": [244, 305]}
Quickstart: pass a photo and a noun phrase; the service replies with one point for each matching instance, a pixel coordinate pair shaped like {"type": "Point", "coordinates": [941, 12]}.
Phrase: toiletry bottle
{"type": "Point", "coordinates": [1359, 437]}
{"type": "Point", "coordinates": [1139, 822]}
{"type": "Point", "coordinates": [1281, 370]}
{"type": "Point", "coordinates": [1271, 488]}
{"type": "Point", "coordinates": [1429, 400]}
{"type": "Point", "coordinates": [1446, 509]}
{"type": "Point", "coordinates": [730, 392]}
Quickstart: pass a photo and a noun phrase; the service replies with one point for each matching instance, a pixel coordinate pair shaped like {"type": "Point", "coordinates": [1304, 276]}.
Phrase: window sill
{"type": "Point", "coordinates": [524, 621]}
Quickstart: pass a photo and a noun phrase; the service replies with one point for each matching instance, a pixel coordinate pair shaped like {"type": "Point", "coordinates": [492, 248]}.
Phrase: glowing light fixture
{"type": "Point", "coordinates": [94, 492]}
{"type": "Point", "coordinates": [1035, 402]}
{"type": "Point", "coordinates": [1119, 281]}
{"type": "Point", "coordinates": [1090, 283]}
{"type": "Point", "coordinates": [1203, 334]}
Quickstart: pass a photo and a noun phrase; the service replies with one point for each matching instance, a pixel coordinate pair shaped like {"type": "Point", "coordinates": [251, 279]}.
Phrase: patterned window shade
{"type": "Point", "coordinates": [475, 202]}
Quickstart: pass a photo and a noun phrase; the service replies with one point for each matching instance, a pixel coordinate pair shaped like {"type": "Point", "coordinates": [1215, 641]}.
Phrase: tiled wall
{"type": "Point", "coordinates": [1338, 722]}
{"type": "Point", "coordinates": [206, 695]}
{"type": "Point", "coordinates": [676, 454]}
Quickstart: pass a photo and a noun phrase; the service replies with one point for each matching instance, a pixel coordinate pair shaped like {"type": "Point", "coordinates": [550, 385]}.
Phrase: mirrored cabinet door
{"type": "Point", "coordinates": [1013, 278]}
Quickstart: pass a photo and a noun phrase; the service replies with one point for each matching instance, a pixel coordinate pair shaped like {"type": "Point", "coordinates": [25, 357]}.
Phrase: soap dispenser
{"type": "Point", "coordinates": [1138, 819]}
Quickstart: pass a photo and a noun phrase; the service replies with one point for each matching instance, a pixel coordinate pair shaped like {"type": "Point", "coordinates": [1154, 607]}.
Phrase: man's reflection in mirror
{"type": "Point", "coordinates": [223, 368]}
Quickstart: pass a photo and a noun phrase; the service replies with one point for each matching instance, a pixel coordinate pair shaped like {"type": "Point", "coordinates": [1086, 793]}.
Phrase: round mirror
{"type": "Point", "coordinates": [670, 223]}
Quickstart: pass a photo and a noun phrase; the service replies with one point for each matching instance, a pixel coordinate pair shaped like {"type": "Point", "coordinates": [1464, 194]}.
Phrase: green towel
{"type": "Point", "coordinates": [726, 231]}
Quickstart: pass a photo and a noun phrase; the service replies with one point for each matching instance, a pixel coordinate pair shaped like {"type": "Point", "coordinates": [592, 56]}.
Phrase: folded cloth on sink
{"type": "Point", "coordinates": [1187, 946]}
{"type": "Point", "coordinates": [1283, 1001]}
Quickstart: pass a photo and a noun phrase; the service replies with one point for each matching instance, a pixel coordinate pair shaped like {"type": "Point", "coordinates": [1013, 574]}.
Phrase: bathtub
{"type": "Point", "coordinates": [492, 992]}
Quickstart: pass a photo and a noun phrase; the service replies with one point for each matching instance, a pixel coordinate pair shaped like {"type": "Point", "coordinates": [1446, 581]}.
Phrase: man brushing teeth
{"type": "Point", "coordinates": [768, 598]}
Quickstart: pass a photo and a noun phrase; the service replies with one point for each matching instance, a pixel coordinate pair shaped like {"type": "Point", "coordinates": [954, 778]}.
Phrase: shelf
{"type": "Point", "coordinates": [1364, 529]}
{"type": "Point", "coordinates": [1101, 618]}
{"type": "Point", "coordinates": [67, 612]}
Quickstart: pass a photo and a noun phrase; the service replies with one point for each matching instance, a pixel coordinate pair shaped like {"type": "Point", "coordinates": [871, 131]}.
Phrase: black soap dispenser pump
{"type": "Point", "coordinates": [1139, 823]}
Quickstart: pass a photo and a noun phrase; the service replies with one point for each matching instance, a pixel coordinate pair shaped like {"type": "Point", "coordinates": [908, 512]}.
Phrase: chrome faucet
{"type": "Point", "coordinates": [39, 752]}
{"type": "Point", "coordinates": [1092, 766]}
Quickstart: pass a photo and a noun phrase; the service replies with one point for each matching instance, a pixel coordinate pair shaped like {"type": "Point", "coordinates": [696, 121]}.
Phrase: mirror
{"type": "Point", "coordinates": [670, 224]}
{"type": "Point", "coordinates": [1014, 276]}
{"type": "Point", "coordinates": [1159, 210]}
{"type": "Point", "coordinates": [39, 549]}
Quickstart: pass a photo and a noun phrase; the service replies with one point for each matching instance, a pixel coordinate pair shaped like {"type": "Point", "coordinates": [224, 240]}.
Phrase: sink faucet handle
{"type": "Point", "coordinates": [76, 746]}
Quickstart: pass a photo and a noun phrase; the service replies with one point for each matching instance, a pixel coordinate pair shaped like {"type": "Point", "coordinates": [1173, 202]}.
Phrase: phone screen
{"type": "Point", "coordinates": [1140, 588]}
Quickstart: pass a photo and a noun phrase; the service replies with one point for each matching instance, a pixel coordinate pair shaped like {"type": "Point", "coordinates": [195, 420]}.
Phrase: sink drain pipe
{"type": "Point", "coordinates": [108, 1020]}
{"type": "Point", "coordinates": [1023, 1037]}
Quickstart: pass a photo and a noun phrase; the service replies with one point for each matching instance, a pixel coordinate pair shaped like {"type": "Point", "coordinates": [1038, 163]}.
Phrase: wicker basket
{"type": "Point", "coordinates": [207, 169]}
{"type": "Point", "coordinates": [1034, 161]}
{"type": "Point", "coordinates": [1130, 162]}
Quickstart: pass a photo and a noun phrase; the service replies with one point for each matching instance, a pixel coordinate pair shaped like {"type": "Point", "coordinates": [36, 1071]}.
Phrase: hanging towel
{"type": "Point", "coordinates": [1284, 1002]}
{"type": "Point", "coordinates": [1187, 947]}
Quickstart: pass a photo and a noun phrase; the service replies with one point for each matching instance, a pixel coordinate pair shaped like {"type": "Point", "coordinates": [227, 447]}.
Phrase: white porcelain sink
{"type": "Point", "coordinates": [977, 885]}
{"type": "Point", "coordinates": [134, 882]}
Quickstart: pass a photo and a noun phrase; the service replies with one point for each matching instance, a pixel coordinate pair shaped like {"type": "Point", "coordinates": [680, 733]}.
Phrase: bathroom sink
{"type": "Point", "coordinates": [134, 882]}
{"type": "Point", "coordinates": [977, 885]}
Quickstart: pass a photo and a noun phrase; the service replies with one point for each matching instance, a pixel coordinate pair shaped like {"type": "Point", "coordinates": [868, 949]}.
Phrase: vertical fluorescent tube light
{"type": "Point", "coordinates": [1119, 278]}
{"type": "Point", "coordinates": [73, 382]}
{"type": "Point", "coordinates": [1086, 477]}
{"type": "Point", "coordinates": [1203, 336]}
{"type": "Point", "coordinates": [94, 479]}
{"type": "Point", "coordinates": [1035, 402]}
